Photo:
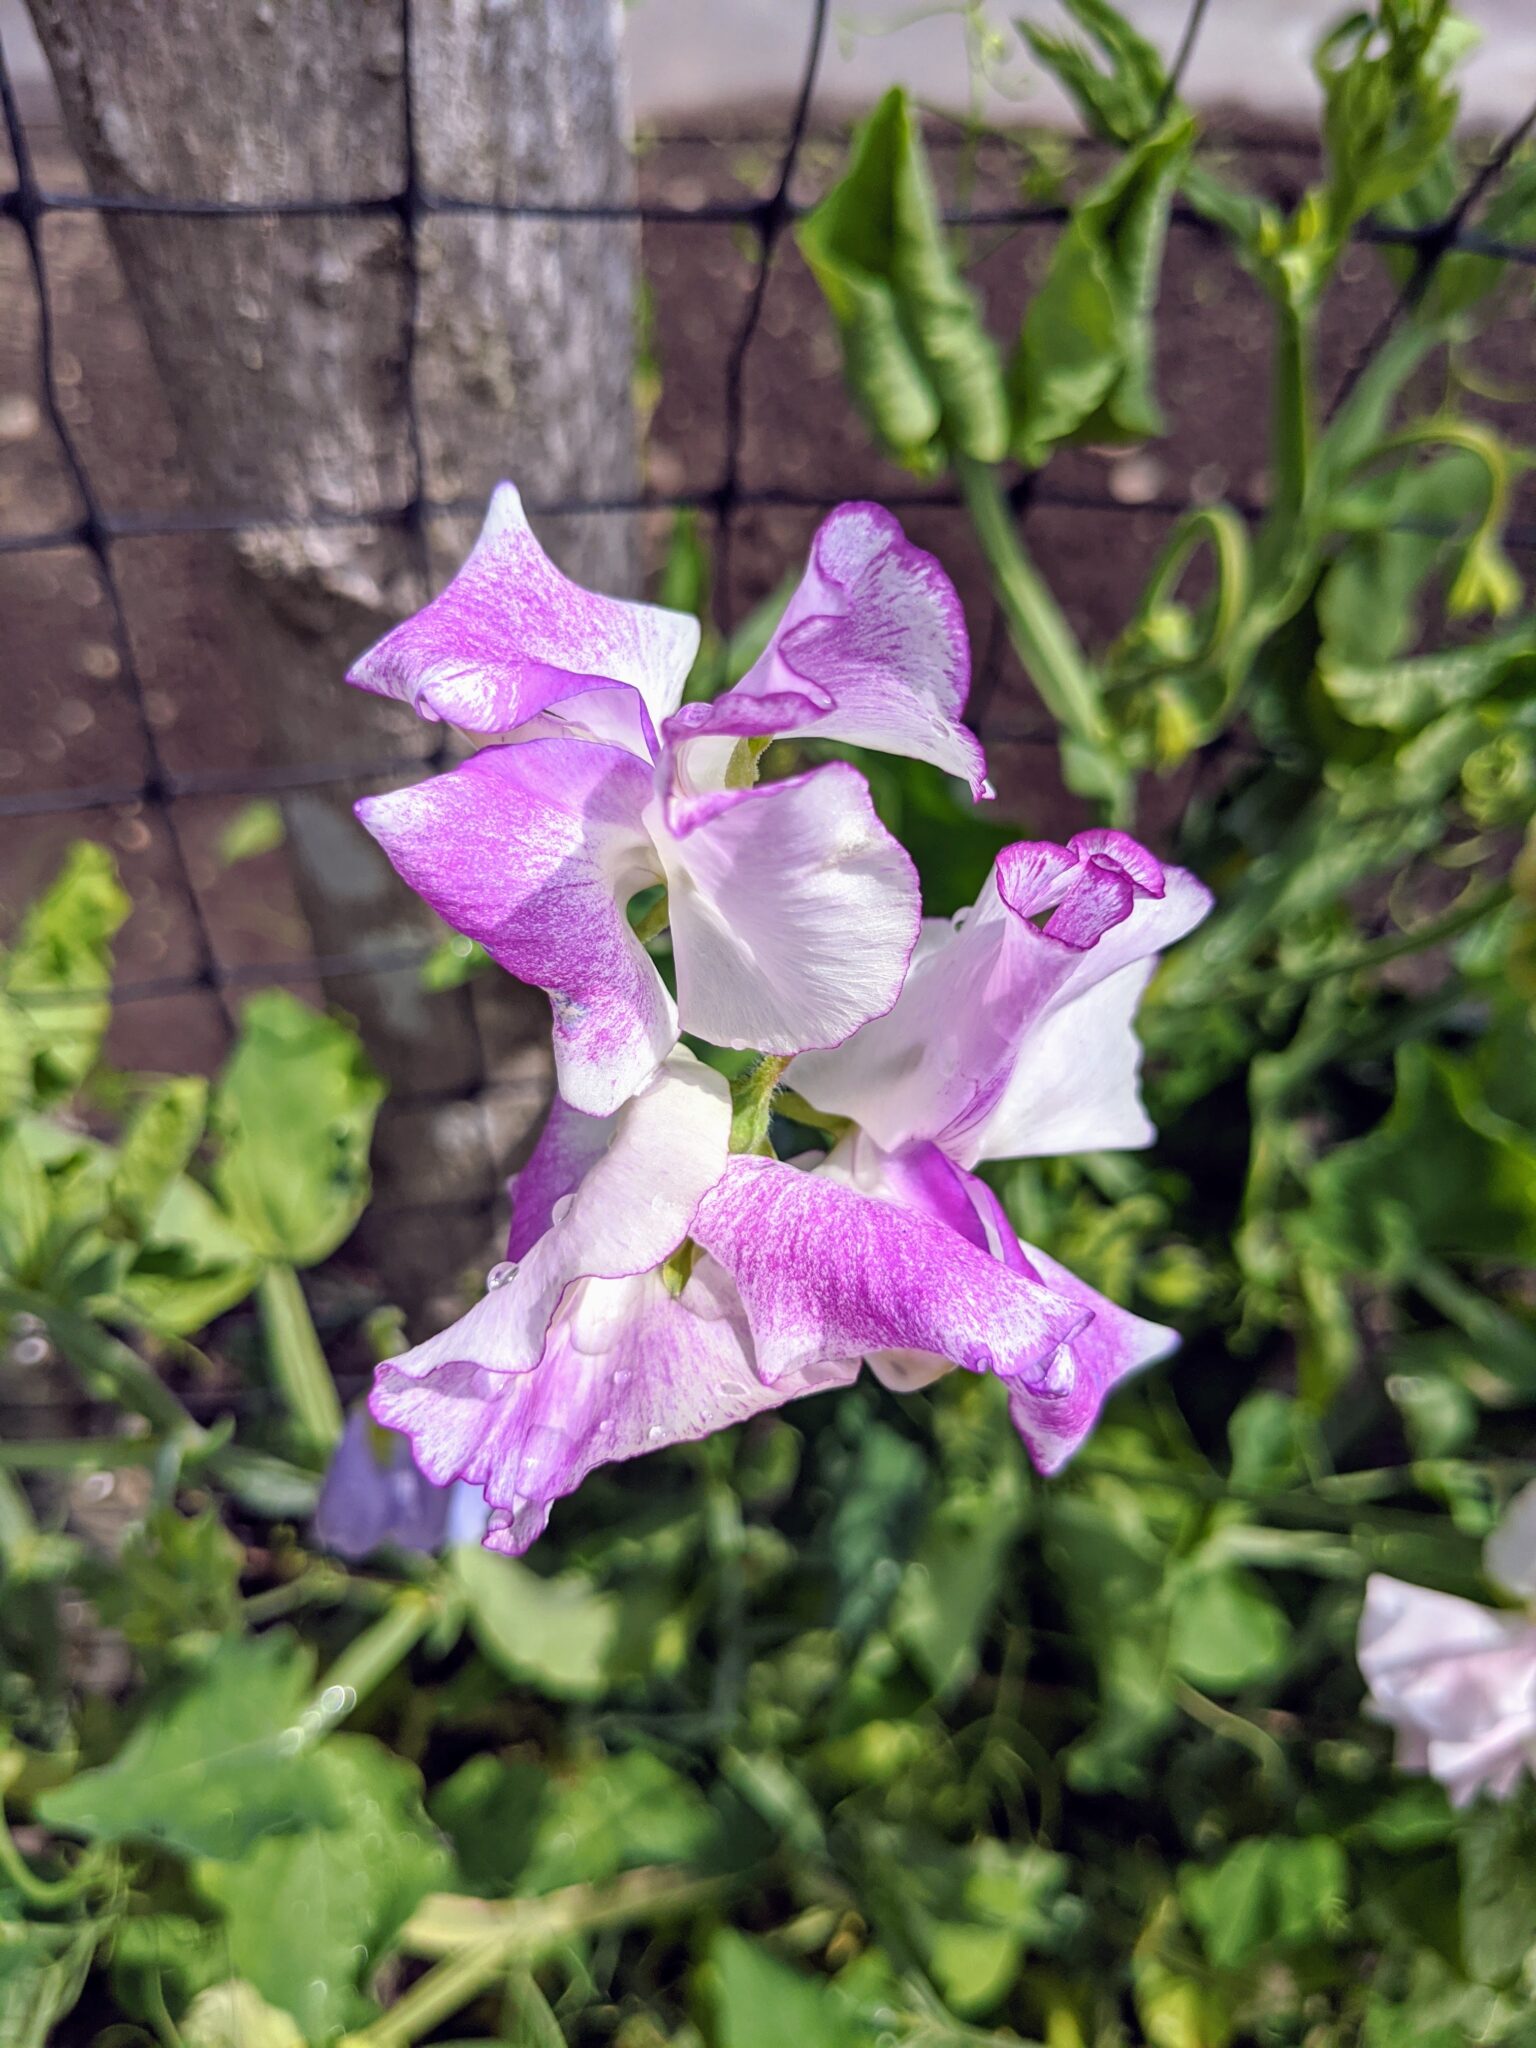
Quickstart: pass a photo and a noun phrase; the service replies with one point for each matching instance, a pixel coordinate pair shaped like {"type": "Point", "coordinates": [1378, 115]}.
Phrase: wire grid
{"type": "Point", "coordinates": [767, 219]}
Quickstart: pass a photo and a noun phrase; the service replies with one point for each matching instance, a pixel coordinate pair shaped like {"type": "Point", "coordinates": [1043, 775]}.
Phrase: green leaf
{"type": "Point", "coordinates": [1441, 1173]}
{"type": "Point", "coordinates": [920, 364]}
{"type": "Point", "coordinates": [293, 1113]}
{"type": "Point", "coordinates": [1388, 103]}
{"type": "Point", "coordinates": [256, 828]}
{"type": "Point", "coordinates": [1267, 1893]}
{"type": "Point", "coordinates": [559, 1635]}
{"type": "Point", "coordinates": [1083, 367]}
{"type": "Point", "coordinates": [64, 950]}
{"type": "Point", "coordinates": [1225, 1632]}
{"type": "Point", "coordinates": [193, 1267]}
{"type": "Point", "coordinates": [976, 1912]}
{"type": "Point", "coordinates": [878, 1492]}
{"type": "Point", "coordinates": [42, 1974]}
{"type": "Point", "coordinates": [760, 2002]}
{"type": "Point", "coordinates": [950, 1588]}
{"type": "Point", "coordinates": [516, 1826]}
{"type": "Point", "coordinates": [1496, 1846]}
{"type": "Point", "coordinates": [345, 1890]}
{"type": "Point", "coordinates": [155, 1148]}
{"type": "Point", "coordinates": [1121, 103]}
{"type": "Point", "coordinates": [212, 1764]}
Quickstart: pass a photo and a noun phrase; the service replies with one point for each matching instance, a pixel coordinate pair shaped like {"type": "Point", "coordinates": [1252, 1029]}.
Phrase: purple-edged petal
{"type": "Point", "coordinates": [631, 1209]}
{"type": "Point", "coordinates": [374, 1493]}
{"type": "Point", "coordinates": [534, 850]}
{"type": "Point", "coordinates": [825, 1273]}
{"type": "Point", "coordinates": [567, 1146]}
{"type": "Point", "coordinates": [1055, 1409]}
{"type": "Point", "coordinates": [627, 1369]}
{"type": "Point", "coordinates": [871, 650]}
{"type": "Point", "coordinates": [511, 638]}
{"type": "Point", "coordinates": [793, 911]}
{"type": "Point", "coordinates": [1054, 1415]}
{"type": "Point", "coordinates": [1013, 1035]}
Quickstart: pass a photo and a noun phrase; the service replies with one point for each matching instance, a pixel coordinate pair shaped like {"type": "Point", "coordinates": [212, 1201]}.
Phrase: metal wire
{"type": "Point", "coordinates": [100, 530]}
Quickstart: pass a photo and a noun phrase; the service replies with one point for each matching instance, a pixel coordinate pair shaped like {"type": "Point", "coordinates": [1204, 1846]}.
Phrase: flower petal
{"type": "Point", "coordinates": [1054, 1417]}
{"type": "Point", "coordinates": [567, 1146]}
{"type": "Point", "coordinates": [1457, 1681]}
{"type": "Point", "coordinates": [871, 650]}
{"type": "Point", "coordinates": [627, 1369]}
{"type": "Point", "coordinates": [512, 637]}
{"type": "Point", "coordinates": [793, 911]}
{"type": "Point", "coordinates": [1509, 1555]}
{"type": "Point", "coordinates": [373, 1493]}
{"type": "Point", "coordinates": [534, 850]}
{"type": "Point", "coordinates": [828, 1273]}
{"type": "Point", "coordinates": [1014, 1038]}
{"type": "Point", "coordinates": [1056, 1411]}
{"type": "Point", "coordinates": [628, 1213]}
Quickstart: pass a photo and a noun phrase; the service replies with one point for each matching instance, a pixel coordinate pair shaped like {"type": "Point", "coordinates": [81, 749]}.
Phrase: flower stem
{"type": "Point", "coordinates": [480, 1940]}
{"type": "Point", "coordinates": [752, 1103]}
{"type": "Point", "coordinates": [369, 1659]}
{"type": "Point", "coordinates": [297, 1361]}
{"type": "Point", "coordinates": [1044, 641]}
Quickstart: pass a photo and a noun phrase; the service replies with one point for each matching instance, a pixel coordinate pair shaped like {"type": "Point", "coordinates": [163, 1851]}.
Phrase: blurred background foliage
{"type": "Point", "coordinates": [844, 1729]}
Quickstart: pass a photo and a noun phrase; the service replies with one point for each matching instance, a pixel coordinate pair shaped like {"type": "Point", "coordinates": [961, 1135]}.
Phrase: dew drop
{"type": "Point", "coordinates": [498, 1276]}
{"type": "Point", "coordinates": [655, 1433]}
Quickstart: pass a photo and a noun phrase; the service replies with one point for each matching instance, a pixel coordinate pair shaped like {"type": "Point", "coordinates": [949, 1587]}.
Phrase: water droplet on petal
{"type": "Point", "coordinates": [622, 1376]}
{"type": "Point", "coordinates": [498, 1276]}
{"type": "Point", "coordinates": [655, 1433]}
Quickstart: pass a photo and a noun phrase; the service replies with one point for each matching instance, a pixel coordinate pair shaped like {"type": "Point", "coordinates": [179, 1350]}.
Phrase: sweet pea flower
{"type": "Point", "coordinates": [793, 913]}
{"type": "Point", "coordinates": [1013, 1038]}
{"type": "Point", "coordinates": [597, 1342]}
{"type": "Point", "coordinates": [374, 1493]}
{"type": "Point", "coordinates": [1457, 1681]}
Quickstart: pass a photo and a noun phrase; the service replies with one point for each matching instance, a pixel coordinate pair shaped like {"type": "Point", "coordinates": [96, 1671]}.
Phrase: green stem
{"type": "Point", "coordinates": [654, 922]}
{"type": "Point", "coordinates": [296, 1359]}
{"type": "Point", "coordinates": [17, 1523]}
{"type": "Point", "coordinates": [63, 1454]}
{"type": "Point", "coordinates": [42, 1891]}
{"type": "Point", "coordinates": [1459, 918]}
{"type": "Point", "coordinates": [481, 1940]}
{"type": "Point", "coordinates": [752, 1102]}
{"type": "Point", "coordinates": [109, 1369]}
{"type": "Point", "coordinates": [369, 1659]}
{"type": "Point", "coordinates": [1041, 636]}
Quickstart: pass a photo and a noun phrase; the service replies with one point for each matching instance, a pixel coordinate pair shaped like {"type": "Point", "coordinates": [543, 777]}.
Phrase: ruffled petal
{"type": "Point", "coordinates": [511, 638]}
{"type": "Point", "coordinates": [827, 1273]}
{"type": "Point", "coordinates": [534, 850]}
{"type": "Point", "coordinates": [872, 650]}
{"type": "Point", "coordinates": [627, 1369]}
{"type": "Point", "coordinates": [1013, 1034]}
{"type": "Point", "coordinates": [1455, 1680]}
{"type": "Point", "coordinates": [793, 911]}
{"type": "Point", "coordinates": [627, 1214]}
{"type": "Point", "coordinates": [1056, 1410]}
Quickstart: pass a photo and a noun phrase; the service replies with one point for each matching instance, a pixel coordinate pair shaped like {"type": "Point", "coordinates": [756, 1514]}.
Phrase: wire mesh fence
{"type": "Point", "coordinates": [103, 530]}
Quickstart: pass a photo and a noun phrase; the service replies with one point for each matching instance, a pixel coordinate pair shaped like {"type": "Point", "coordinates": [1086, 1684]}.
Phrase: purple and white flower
{"type": "Point", "coordinates": [659, 1286]}
{"type": "Point", "coordinates": [885, 1250]}
{"type": "Point", "coordinates": [793, 912]}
